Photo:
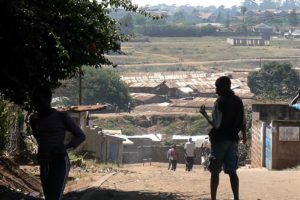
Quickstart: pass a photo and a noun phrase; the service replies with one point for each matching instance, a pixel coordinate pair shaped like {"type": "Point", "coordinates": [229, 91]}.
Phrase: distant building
{"type": "Point", "coordinates": [264, 30]}
{"type": "Point", "coordinates": [146, 98]}
{"type": "Point", "coordinates": [248, 41]}
{"type": "Point", "coordinates": [207, 16]}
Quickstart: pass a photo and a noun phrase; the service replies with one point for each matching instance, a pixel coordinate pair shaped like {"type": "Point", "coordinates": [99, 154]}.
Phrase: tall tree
{"type": "Point", "coordinates": [274, 80]}
{"type": "Point", "coordinates": [43, 42]}
{"type": "Point", "coordinates": [250, 4]}
{"type": "Point", "coordinates": [179, 16]}
{"type": "Point", "coordinates": [293, 18]}
{"type": "Point", "coordinates": [98, 86]}
{"type": "Point", "coordinates": [290, 4]}
{"type": "Point", "coordinates": [268, 4]}
{"type": "Point", "coordinates": [126, 24]}
{"type": "Point", "coordinates": [243, 11]}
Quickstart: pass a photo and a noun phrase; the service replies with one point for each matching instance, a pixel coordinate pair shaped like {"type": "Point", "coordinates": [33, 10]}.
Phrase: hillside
{"type": "Point", "coordinates": [131, 124]}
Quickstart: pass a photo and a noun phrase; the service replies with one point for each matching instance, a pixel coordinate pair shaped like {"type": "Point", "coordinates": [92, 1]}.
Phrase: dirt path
{"type": "Point", "coordinates": [138, 182]}
{"type": "Point", "coordinates": [254, 183]}
{"type": "Point", "coordinates": [207, 62]}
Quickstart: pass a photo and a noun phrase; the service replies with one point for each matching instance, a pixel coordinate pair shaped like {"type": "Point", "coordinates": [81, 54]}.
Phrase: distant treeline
{"type": "Point", "coordinates": [177, 31]}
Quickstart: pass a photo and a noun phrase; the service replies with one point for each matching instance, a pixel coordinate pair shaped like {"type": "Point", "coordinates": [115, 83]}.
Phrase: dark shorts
{"type": "Point", "coordinates": [224, 154]}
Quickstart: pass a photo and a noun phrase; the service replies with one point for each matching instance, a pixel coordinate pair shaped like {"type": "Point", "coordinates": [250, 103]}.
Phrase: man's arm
{"type": "Point", "coordinates": [244, 130]}
{"type": "Point", "coordinates": [32, 122]}
{"type": "Point", "coordinates": [205, 115]}
{"type": "Point", "coordinates": [78, 135]}
{"type": "Point", "coordinates": [295, 99]}
{"type": "Point", "coordinates": [216, 120]}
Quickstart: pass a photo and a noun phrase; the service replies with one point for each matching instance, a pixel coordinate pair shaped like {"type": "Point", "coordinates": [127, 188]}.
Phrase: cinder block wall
{"type": "Point", "coordinates": [283, 152]}
{"type": "Point", "coordinates": [286, 154]}
{"type": "Point", "coordinates": [257, 144]}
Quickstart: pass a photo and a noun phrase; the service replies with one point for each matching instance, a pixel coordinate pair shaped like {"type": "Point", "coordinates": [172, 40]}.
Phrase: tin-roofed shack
{"type": "Point", "coordinates": [105, 145]}
{"type": "Point", "coordinates": [184, 84]}
{"type": "Point", "coordinates": [82, 114]}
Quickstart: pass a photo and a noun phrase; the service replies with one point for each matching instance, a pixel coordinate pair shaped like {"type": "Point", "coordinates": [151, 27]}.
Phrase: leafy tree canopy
{"type": "Point", "coordinates": [98, 86]}
{"type": "Point", "coordinates": [274, 80]}
{"type": "Point", "coordinates": [43, 42]}
{"type": "Point", "coordinates": [293, 18]}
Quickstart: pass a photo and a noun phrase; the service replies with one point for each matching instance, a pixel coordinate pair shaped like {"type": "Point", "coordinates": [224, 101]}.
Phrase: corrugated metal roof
{"type": "Point", "coordinates": [142, 96]}
{"type": "Point", "coordinates": [200, 81]}
{"type": "Point", "coordinates": [144, 83]}
{"type": "Point", "coordinates": [153, 136]}
{"type": "Point", "coordinates": [82, 108]}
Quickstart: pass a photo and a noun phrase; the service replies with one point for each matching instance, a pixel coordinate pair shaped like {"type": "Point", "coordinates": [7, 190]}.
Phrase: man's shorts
{"type": "Point", "coordinates": [224, 154]}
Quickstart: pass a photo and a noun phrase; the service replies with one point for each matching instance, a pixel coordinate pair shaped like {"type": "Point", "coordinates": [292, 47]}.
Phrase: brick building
{"type": "Point", "coordinates": [275, 136]}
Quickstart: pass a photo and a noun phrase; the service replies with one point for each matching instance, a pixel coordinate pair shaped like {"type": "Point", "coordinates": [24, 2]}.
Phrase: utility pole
{"type": "Point", "coordinates": [80, 87]}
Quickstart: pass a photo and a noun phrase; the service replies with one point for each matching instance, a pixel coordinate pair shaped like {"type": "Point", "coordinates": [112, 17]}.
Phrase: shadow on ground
{"type": "Point", "coordinates": [94, 194]}
{"type": "Point", "coordinates": [97, 194]}
{"type": "Point", "coordinates": [8, 194]}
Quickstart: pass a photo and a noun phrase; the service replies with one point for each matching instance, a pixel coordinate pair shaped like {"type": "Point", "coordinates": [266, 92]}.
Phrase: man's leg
{"type": "Point", "coordinates": [173, 165]}
{"type": "Point", "coordinates": [214, 183]}
{"type": "Point", "coordinates": [234, 181]}
{"type": "Point", "coordinates": [187, 164]}
{"type": "Point", "coordinates": [216, 159]}
{"type": "Point", "coordinates": [192, 163]}
{"type": "Point", "coordinates": [230, 167]}
{"type": "Point", "coordinates": [44, 174]}
{"type": "Point", "coordinates": [58, 177]}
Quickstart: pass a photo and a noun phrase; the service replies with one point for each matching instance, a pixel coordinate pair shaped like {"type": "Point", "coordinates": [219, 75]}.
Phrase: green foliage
{"type": "Point", "coordinates": [140, 20]}
{"type": "Point", "coordinates": [245, 149]}
{"type": "Point", "coordinates": [274, 80]}
{"type": "Point", "coordinates": [126, 24]}
{"type": "Point", "coordinates": [188, 125]}
{"type": "Point", "coordinates": [4, 124]}
{"type": "Point", "coordinates": [179, 16]}
{"type": "Point", "coordinates": [171, 129]}
{"type": "Point", "coordinates": [128, 126]}
{"type": "Point", "coordinates": [268, 4]}
{"type": "Point", "coordinates": [43, 42]}
{"type": "Point", "coordinates": [178, 31]}
{"type": "Point", "coordinates": [242, 28]}
{"type": "Point", "coordinates": [292, 18]}
{"type": "Point", "coordinates": [196, 126]}
{"type": "Point", "coordinates": [98, 86]}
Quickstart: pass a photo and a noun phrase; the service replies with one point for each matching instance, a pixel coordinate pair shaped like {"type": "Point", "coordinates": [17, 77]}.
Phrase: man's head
{"type": "Point", "coordinates": [41, 98]}
{"type": "Point", "coordinates": [190, 139]}
{"type": "Point", "coordinates": [223, 84]}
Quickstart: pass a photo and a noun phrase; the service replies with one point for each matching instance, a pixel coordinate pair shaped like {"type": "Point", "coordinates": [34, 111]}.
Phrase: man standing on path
{"type": "Point", "coordinates": [49, 127]}
{"type": "Point", "coordinates": [227, 121]}
{"type": "Point", "coordinates": [169, 158]}
{"type": "Point", "coordinates": [174, 156]}
{"type": "Point", "coordinates": [189, 148]}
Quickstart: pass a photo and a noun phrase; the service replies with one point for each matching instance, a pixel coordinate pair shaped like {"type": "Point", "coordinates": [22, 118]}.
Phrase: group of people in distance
{"type": "Point", "coordinates": [227, 121]}
{"type": "Point", "coordinates": [172, 155]}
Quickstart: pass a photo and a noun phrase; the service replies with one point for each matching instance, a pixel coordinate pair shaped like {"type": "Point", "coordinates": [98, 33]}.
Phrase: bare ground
{"type": "Point", "coordinates": [148, 182]}
{"type": "Point", "coordinates": [156, 182]}
{"type": "Point", "coordinates": [254, 183]}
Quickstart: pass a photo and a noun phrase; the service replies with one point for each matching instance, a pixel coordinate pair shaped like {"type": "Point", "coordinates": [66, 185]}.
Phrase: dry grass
{"type": "Point", "coordinates": [175, 50]}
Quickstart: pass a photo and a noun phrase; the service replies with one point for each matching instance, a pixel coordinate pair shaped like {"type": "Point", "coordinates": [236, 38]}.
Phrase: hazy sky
{"type": "Point", "coordinates": [226, 3]}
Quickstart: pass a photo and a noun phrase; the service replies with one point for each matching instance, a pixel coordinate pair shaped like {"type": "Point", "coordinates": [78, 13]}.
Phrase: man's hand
{"type": "Point", "coordinates": [202, 110]}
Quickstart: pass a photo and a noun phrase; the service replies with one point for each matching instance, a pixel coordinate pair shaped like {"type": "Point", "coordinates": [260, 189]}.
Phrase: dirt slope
{"type": "Point", "coordinates": [15, 182]}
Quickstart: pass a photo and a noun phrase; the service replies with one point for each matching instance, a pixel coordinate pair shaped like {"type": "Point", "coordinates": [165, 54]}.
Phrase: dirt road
{"type": "Point", "coordinates": [156, 182]}
{"type": "Point", "coordinates": [207, 62]}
